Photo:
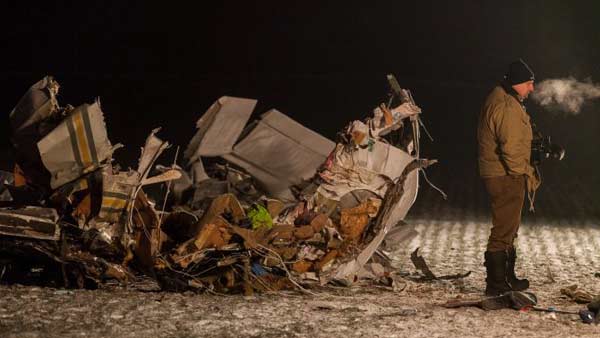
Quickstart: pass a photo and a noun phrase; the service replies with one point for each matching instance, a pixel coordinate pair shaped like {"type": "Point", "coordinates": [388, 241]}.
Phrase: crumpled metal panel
{"type": "Point", "coordinates": [411, 187]}
{"type": "Point", "coordinates": [34, 116]}
{"type": "Point", "coordinates": [280, 152]}
{"type": "Point", "coordinates": [117, 191]}
{"type": "Point", "coordinates": [30, 222]}
{"type": "Point", "coordinates": [368, 169]}
{"type": "Point", "coordinates": [120, 189]}
{"type": "Point", "coordinates": [153, 147]}
{"type": "Point", "coordinates": [76, 146]}
{"type": "Point", "coordinates": [219, 127]}
{"type": "Point", "coordinates": [37, 104]}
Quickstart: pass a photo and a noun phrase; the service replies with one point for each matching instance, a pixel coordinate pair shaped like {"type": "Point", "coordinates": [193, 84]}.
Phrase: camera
{"type": "Point", "coordinates": [542, 148]}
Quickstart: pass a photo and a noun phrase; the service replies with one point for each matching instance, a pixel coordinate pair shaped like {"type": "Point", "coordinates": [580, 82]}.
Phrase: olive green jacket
{"type": "Point", "coordinates": [504, 134]}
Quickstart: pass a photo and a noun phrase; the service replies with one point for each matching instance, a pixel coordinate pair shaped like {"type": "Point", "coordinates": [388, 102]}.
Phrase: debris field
{"type": "Point", "coordinates": [260, 206]}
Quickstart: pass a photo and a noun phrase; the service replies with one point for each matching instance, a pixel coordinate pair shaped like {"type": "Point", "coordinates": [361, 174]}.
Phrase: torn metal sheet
{"type": "Point", "coordinates": [146, 223]}
{"type": "Point", "coordinates": [365, 163]}
{"type": "Point", "coordinates": [77, 146]}
{"type": "Point", "coordinates": [150, 152]}
{"type": "Point", "coordinates": [408, 198]}
{"type": "Point", "coordinates": [30, 222]}
{"type": "Point", "coordinates": [362, 169]}
{"type": "Point", "coordinates": [422, 266]}
{"type": "Point", "coordinates": [117, 191]}
{"type": "Point", "coordinates": [38, 104]}
{"type": "Point", "coordinates": [83, 195]}
{"type": "Point", "coordinates": [219, 127]}
{"type": "Point", "coordinates": [35, 115]}
{"type": "Point", "coordinates": [517, 300]}
{"type": "Point", "coordinates": [347, 273]}
{"type": "Point", "coordinates": [279, 152]}
{"type": "Point", "coordinates": [398, 199]}
{"type": "Point", "coordinates": [120, 189]}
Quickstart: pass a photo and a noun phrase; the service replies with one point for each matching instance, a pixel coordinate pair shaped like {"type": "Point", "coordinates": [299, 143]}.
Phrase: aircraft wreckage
{"type": "Point", "coordinates": [257, 206]}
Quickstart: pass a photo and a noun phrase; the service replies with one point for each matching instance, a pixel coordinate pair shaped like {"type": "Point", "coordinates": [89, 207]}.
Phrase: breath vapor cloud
{"type": "Point", "coordinates": [567, 94]}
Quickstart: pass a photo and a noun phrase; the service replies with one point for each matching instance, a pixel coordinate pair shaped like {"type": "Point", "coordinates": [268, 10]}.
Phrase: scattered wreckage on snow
{"type": "Point", "coordinates": [259, 206]}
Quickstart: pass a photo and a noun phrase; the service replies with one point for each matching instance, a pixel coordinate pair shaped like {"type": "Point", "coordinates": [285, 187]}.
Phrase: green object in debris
{"type": "Point", "coordinates": [260, 217]}
{"type": "Point", "coordinates": [371, 144]}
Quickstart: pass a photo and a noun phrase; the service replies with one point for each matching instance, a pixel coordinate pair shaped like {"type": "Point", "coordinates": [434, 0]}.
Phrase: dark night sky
{"type": "Point", "coordinates": [322, 64]}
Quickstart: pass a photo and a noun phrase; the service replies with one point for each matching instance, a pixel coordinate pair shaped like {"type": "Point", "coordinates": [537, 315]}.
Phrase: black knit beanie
{"type": "Point", "coordinates": [518, 72]}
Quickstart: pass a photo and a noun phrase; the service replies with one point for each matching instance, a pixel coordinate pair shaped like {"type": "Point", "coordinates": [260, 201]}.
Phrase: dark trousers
{"type": "Point", "coordinates": [506, 194]}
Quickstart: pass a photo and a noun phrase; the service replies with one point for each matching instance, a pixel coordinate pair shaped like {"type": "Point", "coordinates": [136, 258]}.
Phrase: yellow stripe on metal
{"type": "Point", "coordinates": [82, 141]}
{"type": "Point", "coordinates": [115, 203]}
{"type": "Point", "coordinates": [82, 185]}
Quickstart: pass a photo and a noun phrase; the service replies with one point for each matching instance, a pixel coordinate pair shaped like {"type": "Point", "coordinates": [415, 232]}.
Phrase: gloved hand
{"type": "Point", "coordinates": [533, 183]}
{"type": "Point", "coordinates": [533, 180]}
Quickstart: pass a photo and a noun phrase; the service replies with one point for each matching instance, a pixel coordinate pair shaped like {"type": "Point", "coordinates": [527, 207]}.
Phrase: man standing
{"type": "Point", "coordinates": [504, 134]}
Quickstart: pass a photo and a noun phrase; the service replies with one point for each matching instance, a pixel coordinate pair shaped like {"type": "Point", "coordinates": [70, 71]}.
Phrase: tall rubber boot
{"type": "Point", "coordinates": [515, 283]}
{"type": "Point", "coordinates": [496, 264]}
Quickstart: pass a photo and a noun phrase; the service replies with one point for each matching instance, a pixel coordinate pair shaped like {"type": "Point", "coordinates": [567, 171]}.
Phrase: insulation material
{"type": "Point", "coordinates": [76, 146]}
{"type": "Point", "coordinates": [354, 220]}
{"type": "Point", "coordinates": [348, 271]}
{"type": "Point", "coordinates": [362, 169]}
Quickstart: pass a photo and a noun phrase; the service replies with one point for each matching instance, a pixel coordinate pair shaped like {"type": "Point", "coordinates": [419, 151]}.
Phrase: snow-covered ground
{"type": "Point", "coordinates": [553, 255]}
